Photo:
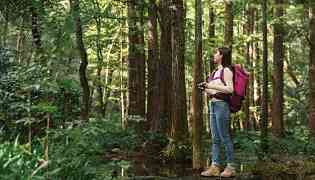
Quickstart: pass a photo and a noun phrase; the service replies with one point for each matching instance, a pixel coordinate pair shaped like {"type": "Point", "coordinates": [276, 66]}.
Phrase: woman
{"type": "Point", "coordinates": [218, 89]}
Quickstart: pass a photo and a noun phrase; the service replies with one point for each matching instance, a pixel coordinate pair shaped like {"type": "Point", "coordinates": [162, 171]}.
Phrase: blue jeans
{"type": "Point", "coordinates": [219, 125]}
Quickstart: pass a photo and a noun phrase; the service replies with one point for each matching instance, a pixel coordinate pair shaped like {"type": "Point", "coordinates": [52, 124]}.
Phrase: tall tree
{"type": "Point", "coordinates": [197, 97]}
{"type": "Point", "coordinates": [211, 31]}
{"type": "Point", "coordinates": [179, 128]}
{"type": "Point", "coordinates": [264, 99]}
{"type": "Point", "coordinates": [98, 20]}
{"type": "Point", "coordinates": [153, 114]}
{"type": "Point", "coordinates": [136, 83]}
{"type": "Point", "coordinates": [166, 63]}
{"type": "Point", "coordinates": [249, 30]}
{"type": "Point", "coordinates": [311, 116]}
{"type": "Point", "coordinates": [36, 27]}
{"type": "Point", "coordinates": [141, 59]}
{"type": "Point", "coordinates": [256, 73]}
{"type": "Point", "coordinates": [246, 31]}
{"type": "Point", "coordinates": [277, 78]}
{"type": "Point", "coordinates": [85, 105]}
{"type": "Point", "coordinates": [228, 24]}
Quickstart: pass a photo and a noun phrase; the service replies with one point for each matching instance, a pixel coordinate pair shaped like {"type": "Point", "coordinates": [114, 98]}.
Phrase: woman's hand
{"type": "Point", "coordinates": [202, 85]}
{"type": "Point", "coordinates": [205, 85]}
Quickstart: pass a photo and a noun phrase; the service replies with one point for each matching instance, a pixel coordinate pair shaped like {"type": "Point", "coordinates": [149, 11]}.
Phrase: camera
{"type": "Point", "coordinates": [201, 86]}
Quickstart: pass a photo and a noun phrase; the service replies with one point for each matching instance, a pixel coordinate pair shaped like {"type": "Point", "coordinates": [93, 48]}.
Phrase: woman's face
{"type": "Point", "coordinates": [218, 57]}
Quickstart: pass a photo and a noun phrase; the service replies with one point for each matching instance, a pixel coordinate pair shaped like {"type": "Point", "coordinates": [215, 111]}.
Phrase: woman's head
{"type": "Point", "coordinates": [223, 56]}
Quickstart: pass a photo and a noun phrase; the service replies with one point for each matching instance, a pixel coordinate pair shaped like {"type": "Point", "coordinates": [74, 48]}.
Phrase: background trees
{"type": "Point", "coordinates": [139, 62]}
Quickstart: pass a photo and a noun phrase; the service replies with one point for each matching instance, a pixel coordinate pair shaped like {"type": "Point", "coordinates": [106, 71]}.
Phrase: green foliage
{"type": "Point", "coordinates": [78, 152]}
{"type": "Point", "coordinates": [247, 143]}
{"type": "Point", "coordinates": [177, 151]}
{"type": "Point", "coordinates": [17, 162]}
{"type": "Point", "coordinates": [28, 93]}
{"type": "Point", "coordinates": [296, 141]}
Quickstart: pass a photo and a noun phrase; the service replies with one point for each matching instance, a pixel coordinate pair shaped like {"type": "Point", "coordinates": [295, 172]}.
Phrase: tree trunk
{"type": "Point", "coordinates": [20, 42]}
{"type": "Point", "coordinates": [249, 61]}
{"type": "Point", "coordinates": [257, 77]}
{"type": "Point", "coordinates": [253, 54]}
{"type": "Point", "coordinates": [36, 34]}
{"type": "Point", "coordinates": [5, 28]}
{"type": "Point", "coordinates": [211, 31]}
{"type": "Point", "coordinates": [211, 36]}
{"type": "Point", "coordinates": [209, 64]}
{"type": "Point", "coordinates": [228, 28]}
{"type": "Point", "coordinates": [153, 110]}
{"type": "Point", "coordinates": [85, 101]}
{"type": "Point", "coordinates": [264, 100]}
{"type": "Point", "coordinates": [136, 64]}
{"type": "Point", "coordinates": [66, 106]}
{"type": "Point", "coordinates": [197, 96]}
{"type": "Point", "coordinates": [228, 24]}
{"type": "Point", "coordinates": [108, 89]}
{"type": "Point", "coordinates": [179, 129]}
{"type": "Point", "coordinates": [311, 115]}
{"type": "Point", "coordinates": [132, 59]}
{"type": "Point", "coordinates": [288, 68]}
{"type": "Point", "coordinates": [141, 61]}
{"type": "Point", "coordinates": [166, 64]}
{"type": "Point", "coordinates": [277, 78]}
{"type": "Point", "coordinates": [99, 54]}
{"type": "Point", "coordinates": [247, 32]}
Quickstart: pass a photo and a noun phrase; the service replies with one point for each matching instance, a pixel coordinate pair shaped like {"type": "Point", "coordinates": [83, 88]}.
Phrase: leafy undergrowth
{"type": "Point", "coordinates": [74, 153]}
{"type": "Point", "coordinates": [100, 149]}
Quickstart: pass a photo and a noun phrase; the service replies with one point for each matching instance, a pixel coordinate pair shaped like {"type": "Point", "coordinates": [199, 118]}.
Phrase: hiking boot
{"type": "Point", "coordinates": [213, 170]}
{"type": "Point", "coordinates": [228, 172]}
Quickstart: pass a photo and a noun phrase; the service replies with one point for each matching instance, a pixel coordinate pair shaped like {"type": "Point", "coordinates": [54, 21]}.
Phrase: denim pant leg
{"type": "Point", "coordinates": [222, 113]}
{"type": "Point", "coordinates": [215, 135]}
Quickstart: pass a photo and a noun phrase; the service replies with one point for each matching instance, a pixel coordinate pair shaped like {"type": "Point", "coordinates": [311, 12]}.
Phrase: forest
{"type": "Point", "coordinates": [108, 89]}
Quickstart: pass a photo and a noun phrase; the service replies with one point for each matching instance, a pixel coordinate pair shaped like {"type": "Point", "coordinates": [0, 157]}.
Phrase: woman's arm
{"type": "Point", "coordinates": [228, 78]}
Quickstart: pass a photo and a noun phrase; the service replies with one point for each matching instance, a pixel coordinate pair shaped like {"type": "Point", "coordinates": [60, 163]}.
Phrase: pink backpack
{"type": "Point", "coordinates": [240, 81]}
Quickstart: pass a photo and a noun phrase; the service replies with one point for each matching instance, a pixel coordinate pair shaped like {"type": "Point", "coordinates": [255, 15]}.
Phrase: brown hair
{"type": "Point", "coordinates": [226, 56]}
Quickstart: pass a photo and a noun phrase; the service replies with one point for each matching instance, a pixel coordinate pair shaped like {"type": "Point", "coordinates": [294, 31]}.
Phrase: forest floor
{"type": "Point", "coordinates": [152, 166]}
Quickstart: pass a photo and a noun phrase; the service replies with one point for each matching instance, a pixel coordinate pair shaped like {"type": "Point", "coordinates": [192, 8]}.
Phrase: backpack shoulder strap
{"type": "Point", "coordinates": [222, 76]}
{"type": "Point", "coordinates": [211, 75]}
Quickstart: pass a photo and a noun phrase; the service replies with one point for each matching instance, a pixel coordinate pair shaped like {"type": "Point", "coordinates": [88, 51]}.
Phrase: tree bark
{"type": "Point", "coordinates": [197, 96]}
{"type": "Point", "coordinates": [179, 129]}
{"type": "Point", "coordinates": [132, 59]}
{"type": "Point", "coordinates": [136, 88]}
{"type": "Point", "coordinates": [249, 30]}
{"type": "Point", "coordinates": [153, 110]}
{"type": "Point", "coordinates": [228, 24]}
{"type": "Point", "coordinates": [166, 64]}
{"type": "Point", "coordinates": [99, 54]}
{"type": "Point", "coordinates": [253, 54]}
{"type": "Point", "coordinates": [277, 77]}
{"type": "Point", "coordinates": [141, 61]}
{"type": "Point", "coordinates": [257, 77]}
{"type": "Point", "coordinates": [311, 116]}
{"type": "Point", "coordinates": [264, 100]}
{"type": "Point", "coordinates": [211, 36]}
{"type": "Point", "coordinates": [85, 101]}
{"type": "Point", "coordinates": [108, 89]}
